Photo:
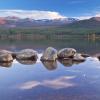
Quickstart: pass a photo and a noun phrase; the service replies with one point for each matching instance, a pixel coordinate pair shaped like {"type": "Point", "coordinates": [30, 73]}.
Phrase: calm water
{"type": "Point", "coordinates": [61, 80]}
{"type": "Point", "coordinates": [81, 45]}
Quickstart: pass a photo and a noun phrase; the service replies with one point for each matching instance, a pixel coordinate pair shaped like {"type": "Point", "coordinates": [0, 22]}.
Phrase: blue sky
{"type": "Point", "coordinates": [69, 8]}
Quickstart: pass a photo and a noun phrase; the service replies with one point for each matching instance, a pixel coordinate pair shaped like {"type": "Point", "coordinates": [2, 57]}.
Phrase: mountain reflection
{"type": "Point", "coordinates": [27, 62]}
{"type": "Point", "coordinates": [68, 62]}
{"type": "Point", "coordinates": [6, 64]}
{"type": "Point", "coordinates": [50, 65]}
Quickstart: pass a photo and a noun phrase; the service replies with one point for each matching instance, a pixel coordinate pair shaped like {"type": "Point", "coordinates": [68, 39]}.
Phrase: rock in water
{"type": "Point", "coordinates": [66, 53]}
{"type": "Point", "coordinates": [4, 51]}
{"type": "Point", "coordinates": [6, 57]}
{"type": "Point", "coordinates": [50, 54]}
{"type": "Point", "coordinates": [78, 57]}
{"type": "Point", "coordinates": [27, 54]}
{"type": "Point", "coordinates": [8, 52]}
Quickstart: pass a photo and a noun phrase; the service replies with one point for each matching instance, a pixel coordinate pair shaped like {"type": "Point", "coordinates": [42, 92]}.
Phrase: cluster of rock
{"type": "Point", "coordinates": [50, 54]}
{"type": "Point", "coordinates": [26, 56]}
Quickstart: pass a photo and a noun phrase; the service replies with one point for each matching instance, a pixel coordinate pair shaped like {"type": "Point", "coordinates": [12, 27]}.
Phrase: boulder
{"type": "Point", "coordinates": [50, 65]}
{"type": "Point", "coordinates": [27, 54]}
{"type": "Point", "coordinates": [6, 57]}
{"type": "Point", "coordinates": [50, 54]}
{"type": "Point", "coordinates": [8, 52]}
{"type": "Point", "coordinates": [5, 51]}
{"type": "Point", "coordinates": [78, 58]}
{"type": "Point", "coordinates": [66, 53]}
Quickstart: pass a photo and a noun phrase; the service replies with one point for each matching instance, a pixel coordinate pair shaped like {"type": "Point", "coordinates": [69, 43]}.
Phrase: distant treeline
{"type": "Point", "coordinates": [48, 33]}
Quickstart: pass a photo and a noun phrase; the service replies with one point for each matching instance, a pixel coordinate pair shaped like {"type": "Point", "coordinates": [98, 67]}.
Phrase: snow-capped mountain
{"type": "Point", "coordinates": [13, 21]}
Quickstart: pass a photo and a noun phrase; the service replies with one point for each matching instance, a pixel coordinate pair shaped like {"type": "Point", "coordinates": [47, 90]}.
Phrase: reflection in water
{"type": "Point", "coordinates": [86, 46]}
{"type": "Point", "coordinates": [80, 82]}
{"type": "Point", "coordinates": [27, 85]}
{"type": "Point", "coordinates": [50, 65]}
{"type": "Point", "coordinates": [36, 83]}
{"type": "Point", "coordinates": [78, 62]}
{"type": "Point", "coordinates": [59, 83]}
{"type": "Point", "coordinates": [27, 62]}
{"type": "Point", "coordinates": [68, 62]}
{"type": "Point", "coordinates": [6, 64]}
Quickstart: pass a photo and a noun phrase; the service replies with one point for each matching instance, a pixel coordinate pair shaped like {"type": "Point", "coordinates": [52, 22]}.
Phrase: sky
{"type": "Point", "coordinates": [50, 9]}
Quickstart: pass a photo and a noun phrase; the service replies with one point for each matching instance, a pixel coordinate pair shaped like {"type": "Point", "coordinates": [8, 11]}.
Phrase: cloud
{"type": "Point", "coordinates": [89, 15]}
{"type": "Point", "coordinates": [83, 17]}
{"type": "Point", "coordinates": [61, 82]}
{"type": "Point", "coordinates": [97, 14]}
{"type": "Point", "coordinates": [35, 14]}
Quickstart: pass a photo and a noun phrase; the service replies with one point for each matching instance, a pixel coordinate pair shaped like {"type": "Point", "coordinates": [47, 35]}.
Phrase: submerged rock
{"type": "Point", "coordinates": [50, 65]}
{"type": "Point", "coordinates": [27, 54]}
{"type": "Point", "coordinates": [78, 57]}
{"type": "Point", "coordinates": [66, 53]}
{"type": "Point", "coordinates": [6, 57]}
{"type": "Point", "coordinates": [50, 54]}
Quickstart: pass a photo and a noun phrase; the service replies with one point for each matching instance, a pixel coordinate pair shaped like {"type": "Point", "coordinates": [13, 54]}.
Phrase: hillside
{"type": "Point", "coordinates": [14, 25]}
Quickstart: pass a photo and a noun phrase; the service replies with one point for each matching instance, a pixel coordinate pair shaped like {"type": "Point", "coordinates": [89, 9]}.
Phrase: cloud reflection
{"type": "Point", "coordinates": [61, 82]}
{"type": "Point", "coordinates": [28, 85]}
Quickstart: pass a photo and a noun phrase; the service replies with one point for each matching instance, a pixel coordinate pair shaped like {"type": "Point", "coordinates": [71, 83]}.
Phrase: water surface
{"type": "Point", "coordinates": [60, 80]}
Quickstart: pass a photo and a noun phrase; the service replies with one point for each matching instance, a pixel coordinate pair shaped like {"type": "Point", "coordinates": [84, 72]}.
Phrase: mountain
{"type": "Point", "coordinates": [93, 22]}
{"type": "Point", "coordinates": [95, 18]}
{"type": "Point", "coordinates": [47, 26]}
{"type": "Point", "coordinates": [2, 21]}
{"type": "Point", "coordinates": [66, 24]}
{"type": "Point", "coordinates": [13, 21]}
